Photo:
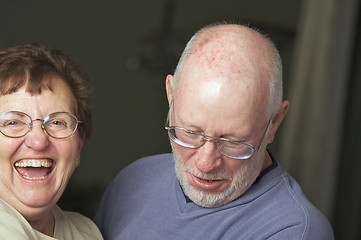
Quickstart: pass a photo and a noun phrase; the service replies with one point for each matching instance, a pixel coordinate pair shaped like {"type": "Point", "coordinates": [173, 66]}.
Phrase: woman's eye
{"type": "Point", "coordinates": [12, 123]}
{"type": "Point", "coordinates": [56, 123]}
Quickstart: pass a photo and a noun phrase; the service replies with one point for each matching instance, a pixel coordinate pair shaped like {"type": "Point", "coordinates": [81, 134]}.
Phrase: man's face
{"type": "Point", "coordinates": [207, 177]}
{"type": "Point", "coordinates": [222, 91]}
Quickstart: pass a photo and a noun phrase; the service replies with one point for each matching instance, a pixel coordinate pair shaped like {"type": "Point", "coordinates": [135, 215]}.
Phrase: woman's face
{"type": "Point", "coordinates": [34, 190]}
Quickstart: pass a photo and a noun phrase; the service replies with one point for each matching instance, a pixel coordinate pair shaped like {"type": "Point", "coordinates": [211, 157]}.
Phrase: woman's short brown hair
{"type": "Point", "coordinates": [38, 67]}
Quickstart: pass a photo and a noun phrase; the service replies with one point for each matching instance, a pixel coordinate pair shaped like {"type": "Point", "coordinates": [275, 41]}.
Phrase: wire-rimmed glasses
{"type": "Point", "coordinates": [230, 148]}
{"type": "Point", "coordinates": [17, 124]}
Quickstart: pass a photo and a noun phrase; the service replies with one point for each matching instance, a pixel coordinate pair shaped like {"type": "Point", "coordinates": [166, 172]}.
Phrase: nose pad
{"type": "Point", "coordinates": [44, 129]}
{"type": "Point", "coordinates": [210, 139]}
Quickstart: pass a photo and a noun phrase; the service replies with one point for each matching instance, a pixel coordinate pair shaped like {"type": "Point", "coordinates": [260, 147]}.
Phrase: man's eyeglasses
{"type": "Point", "coordinates": [57, 125]}
{"type": "Point", "coordinates": [193, 139]}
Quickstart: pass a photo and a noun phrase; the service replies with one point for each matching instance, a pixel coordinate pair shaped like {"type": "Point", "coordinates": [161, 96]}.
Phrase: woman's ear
{"type": "Point", "coordinates": [80, 147]}
{"type": "Point", "coordinates": [77, 163]}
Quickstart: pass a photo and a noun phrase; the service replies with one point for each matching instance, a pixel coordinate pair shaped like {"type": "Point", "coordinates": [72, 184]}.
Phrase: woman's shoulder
{"type": "Point", "coordinates": [13, 225]}
{"type": "Point", "coordinates": [73, 225]}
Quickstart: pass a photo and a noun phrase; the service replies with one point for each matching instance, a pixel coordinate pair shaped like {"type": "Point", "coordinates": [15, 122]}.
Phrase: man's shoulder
{"type": "Point", "coordinates": [146, 169]}
{"type": "Point", "coordinates": [276, 203]}
{"type": "Point", "coordinates": [158, 157]}
{"type": "Point", "coordinates": [288, 208]}
{"type": "Point", "coordinates": [138, 181]}
{"type": "Point", "coordinates": [152, 162]}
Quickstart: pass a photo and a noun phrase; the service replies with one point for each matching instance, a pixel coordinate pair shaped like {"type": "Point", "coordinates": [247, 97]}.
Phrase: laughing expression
{"type": "Point", "coordinates": [36, 168]}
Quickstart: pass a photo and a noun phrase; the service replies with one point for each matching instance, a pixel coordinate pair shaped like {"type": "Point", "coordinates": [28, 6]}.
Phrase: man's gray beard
{"type": "Point", "coordinates": [245, 177]}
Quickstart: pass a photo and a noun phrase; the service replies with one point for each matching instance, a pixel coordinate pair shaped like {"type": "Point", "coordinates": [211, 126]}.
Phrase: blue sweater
{"type": "Point", "coordinates": [145, 201]}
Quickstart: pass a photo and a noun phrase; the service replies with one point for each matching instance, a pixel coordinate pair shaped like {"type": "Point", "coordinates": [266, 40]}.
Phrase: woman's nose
{"type": "Point", "coordinates": [37, 138]}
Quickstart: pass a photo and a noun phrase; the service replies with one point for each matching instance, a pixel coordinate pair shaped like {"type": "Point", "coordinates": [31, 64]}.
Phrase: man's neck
{"type": "Point", "coordinates": [267, 161]}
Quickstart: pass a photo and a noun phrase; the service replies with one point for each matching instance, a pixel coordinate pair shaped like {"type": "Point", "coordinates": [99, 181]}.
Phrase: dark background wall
{"type": "Point", "coordinates": [128, 48]}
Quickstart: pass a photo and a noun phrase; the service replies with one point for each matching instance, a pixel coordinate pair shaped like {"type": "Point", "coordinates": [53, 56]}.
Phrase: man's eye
{"type": "Point", "coordinates": [189, 134]}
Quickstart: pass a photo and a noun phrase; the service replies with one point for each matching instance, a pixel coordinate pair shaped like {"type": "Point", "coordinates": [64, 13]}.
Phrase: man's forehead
{"type": "Point", "coordinates": [215, 82]}
{"type": "Point", "coordinates": [227, 93]}
{"type": "Point", "coordinates": [209, 108]}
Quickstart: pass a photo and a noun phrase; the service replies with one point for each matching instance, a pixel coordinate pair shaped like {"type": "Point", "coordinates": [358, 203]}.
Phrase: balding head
{"type": "Point", "coordinates": [237, 54]}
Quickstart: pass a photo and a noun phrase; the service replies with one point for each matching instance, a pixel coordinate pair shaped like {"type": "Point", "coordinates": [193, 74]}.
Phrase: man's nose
{"type": "Point", "coordinates": [208, 157]}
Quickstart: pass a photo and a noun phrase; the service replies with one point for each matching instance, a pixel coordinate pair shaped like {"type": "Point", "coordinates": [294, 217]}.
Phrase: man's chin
{"type": "Point", "coordinates": [209, 200]}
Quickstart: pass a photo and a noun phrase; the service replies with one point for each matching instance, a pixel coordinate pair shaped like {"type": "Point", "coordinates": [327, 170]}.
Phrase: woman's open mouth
{"type": "Point", "coordinates": [34, 169]}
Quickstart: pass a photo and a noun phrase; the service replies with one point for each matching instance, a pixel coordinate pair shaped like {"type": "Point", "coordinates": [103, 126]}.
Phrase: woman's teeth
{"type": "Point", "coordinates": [33, 163]}
{"type": "Point", "coordinates": [34, 169]}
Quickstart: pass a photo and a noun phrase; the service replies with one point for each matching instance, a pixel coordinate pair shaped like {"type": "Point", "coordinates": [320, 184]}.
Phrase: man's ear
{"type": "Point", "coordinates": [277, 120]}
{"type": "Point", "coordinates": [169, 87]}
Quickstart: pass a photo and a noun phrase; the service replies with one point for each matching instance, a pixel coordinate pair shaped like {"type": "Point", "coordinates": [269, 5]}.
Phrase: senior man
{"type": "Point", "coordinates": [225, 105]}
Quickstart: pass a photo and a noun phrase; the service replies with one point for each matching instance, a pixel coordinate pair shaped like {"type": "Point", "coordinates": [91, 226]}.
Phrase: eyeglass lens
{"type": "Point", "coordinates": [57, 125]}
{"type": "Point", "coordinates": [187, 138]}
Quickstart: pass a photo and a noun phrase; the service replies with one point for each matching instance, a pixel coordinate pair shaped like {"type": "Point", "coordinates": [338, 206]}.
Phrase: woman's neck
{"type": "Point", "coordinates": [44, 224]}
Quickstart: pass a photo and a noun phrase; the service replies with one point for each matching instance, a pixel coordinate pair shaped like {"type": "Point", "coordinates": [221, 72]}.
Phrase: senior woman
{"type": "Point", "coordinates": [44, 118]}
